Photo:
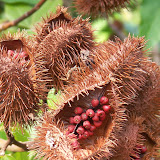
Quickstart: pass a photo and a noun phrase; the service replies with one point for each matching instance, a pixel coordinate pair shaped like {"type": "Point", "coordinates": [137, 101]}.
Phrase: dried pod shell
{"type": "Point", "coordinates": [18, 42]}
{"type": "Point", "coordinates": [132, 139]}
{"type": "Point", "coordinates": [94, 7]}
{"type": "Point", "coordinates": [19, 88]}
{"type": "Point", "coordinates": [65, 46]}
{"type": "Point", "coordinates": [51, 22]}
{"type": "Point", "coordinates": [51, 141]}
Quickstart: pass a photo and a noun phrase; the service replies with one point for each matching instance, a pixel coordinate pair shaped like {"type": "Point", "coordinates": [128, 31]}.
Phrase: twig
{"type": "Point", "coordinates": [6, 25]}
{"type": "Point", "coordinates": [13, 147]}
{"type": "Point", "coordinates": [11, 141]}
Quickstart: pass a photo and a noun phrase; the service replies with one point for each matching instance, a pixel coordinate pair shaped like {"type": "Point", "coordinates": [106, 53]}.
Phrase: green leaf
{"type": "Point", "coordinates": [101, 30]}
{"type": "Point", "coordinates": [15, 11]}
{"type": "Point", "coordinates": [20, 1]}
{"type": "Point", "coordinates": [150, 23]}
{"type": "Point", "coordinates": [52, 98]}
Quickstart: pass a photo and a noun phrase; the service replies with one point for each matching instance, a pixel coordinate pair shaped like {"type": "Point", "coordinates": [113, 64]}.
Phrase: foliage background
{"type": "Point", "coordinates": [141, 19]}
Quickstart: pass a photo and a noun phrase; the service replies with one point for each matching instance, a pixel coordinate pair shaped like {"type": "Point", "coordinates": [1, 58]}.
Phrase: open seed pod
{"type": "Point", "coordinates": [133, 143]}
{"type": "Point", "coordinates": [19, 88]}
{"type": "Point", "coordinates": [147, 104]}
{"type": "Point", "coordinates": [116, 75]}
{"type": "Point", "coordinates": [17, 44]}
{"type": "Point", "coordinates": [63, 45]}
{"type": "Point", "coordinates": [100, 7]}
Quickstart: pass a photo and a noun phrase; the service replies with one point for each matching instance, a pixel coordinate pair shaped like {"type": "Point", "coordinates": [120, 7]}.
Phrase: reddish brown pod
{"type": "Point", "coordinates": [100, 7]}
{"type": "Point", "coordinates": [19, 90]}
{"type": "Point", "coordinates": [72, 40]}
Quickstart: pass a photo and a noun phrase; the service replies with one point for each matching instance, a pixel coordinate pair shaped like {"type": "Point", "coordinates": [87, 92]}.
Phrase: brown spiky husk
{"type": "Point", "coordinates": [99, 7]}
{"type": "Point", "coordinates": [20, 90]}
{"type": "Point", "coordinates": [65, 44]}
{"type": "Point", "coordinates": [51, 141]}
{"type": "Point", "coordinates": [116, 73]}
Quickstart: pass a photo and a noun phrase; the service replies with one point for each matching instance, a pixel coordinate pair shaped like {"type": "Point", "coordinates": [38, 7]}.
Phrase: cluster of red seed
{"type": "Point", "coordinates": [85, 122]}
{"type": "Point", "coordinates": [139, 152]}
{"type": "Point", "coordinates": [15, 55]}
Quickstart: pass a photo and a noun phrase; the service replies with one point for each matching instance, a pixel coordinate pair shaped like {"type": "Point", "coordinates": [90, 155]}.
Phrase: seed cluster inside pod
{"type": "Point", "coordinates": [86, 121]}
{"type": "Point", "coordinates": [90, 118]}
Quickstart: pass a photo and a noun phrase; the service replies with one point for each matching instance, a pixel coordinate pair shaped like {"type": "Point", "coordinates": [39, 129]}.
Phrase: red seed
{"type": "Point", "coordinates": [104, 100]}
{"type": "Point", "coordinates": [143, 149]}
{"type": "Point", "coordinates": [95, 102]}
{"type": "Point", "coordinates": [100, 113]}
{"type": "Point", "coordinates": [85, 135]}
{"type": "Point", "coordinates": [95, 118]}
{"type": "Point", "coordinates": [90, 113]}
{"type": "Point", "coordinates": [97, 123]}
{"type": "Point", "coordinates": [75, 144]}
{"type": "Point", "coordinates": [90, 133]}
{"type": "Point", "coordinates": [23, 54]}
{"type": "Point", "coordinates": [80, 136]}
{"type": "Point", "coordinates": [102, 118]}
{"type": "Point", "coordinates": [92, 128]}
{"type": "Point", "coordinates": [78, 110]}
{"type": "Point", "coordinates": [71, 120]}
{"type": "Point", "coordinates": [72, 136]}
{"type": "Point", "coordinates": [87, 124]}
{"type": "Point", "coordinates": [71, 128]}
{"type": "Point", "coordinates": [77, 119]}
{"type": "Point", "coordinates": [106, 108]}
{"type": "Point", "coordinates": [84, 116]}
{"type": "Point", "coordinates": [80, 130]}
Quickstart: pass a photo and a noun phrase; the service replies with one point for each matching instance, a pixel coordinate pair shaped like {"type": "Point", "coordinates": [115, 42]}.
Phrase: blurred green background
{"type": "Point", "coordinates": [140, 19]}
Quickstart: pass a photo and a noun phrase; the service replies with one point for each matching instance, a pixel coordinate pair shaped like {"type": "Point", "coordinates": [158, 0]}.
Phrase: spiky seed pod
{"type": "Point", "coordinates": [66, 45]}
{"type": "Point", "coordinates": [147, 104]}
{"type": "Point", "coordinates": [99, 7]}
{"type": "Point", "coordinates": [20, 90]}
{"type": "Point", "coordinates": [18, 42]}
{"type": "Point", "coordinates": [51, 141]}
{"type": "Point", "coordinates": [131, 140]}
{"type": "Point", "coordinates": [48, 24]}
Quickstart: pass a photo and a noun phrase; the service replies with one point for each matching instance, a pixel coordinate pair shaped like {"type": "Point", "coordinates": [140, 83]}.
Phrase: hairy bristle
{"type": "Point", "coordinates": [99, 7]}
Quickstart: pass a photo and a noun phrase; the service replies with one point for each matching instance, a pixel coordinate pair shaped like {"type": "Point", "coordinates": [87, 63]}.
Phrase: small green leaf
{"type": "Point", "coordinates": [52, 98]}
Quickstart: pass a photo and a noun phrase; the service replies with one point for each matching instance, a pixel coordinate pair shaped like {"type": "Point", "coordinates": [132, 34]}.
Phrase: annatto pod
{"type": "Point", "coordinates": [133, 143]}
{"type": "Point", "coordinates": [116, 74]}
{"type": "Point", "coordinates": [100, 7]}
{"type": "Point", "coordinates": [63, 43]}
{"type": "Point", "coordinates": [19, 90]}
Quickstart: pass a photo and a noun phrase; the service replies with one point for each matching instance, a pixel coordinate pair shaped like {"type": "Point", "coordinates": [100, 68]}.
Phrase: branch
{"type": "Point", "coordinates": [11, 142]}
{"type": "Point", "coordinates": [13, 147]}
{"type": "Point", "coordinates": [6, 25]}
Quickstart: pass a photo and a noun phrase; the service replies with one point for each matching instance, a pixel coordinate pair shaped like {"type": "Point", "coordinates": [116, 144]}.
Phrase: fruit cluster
{"type": "Point", "coordinates": [85, 122]}
{"type": "Point", "coordinates": [23, 56]}
{"type": "Point", "coordinates": [140, 150]}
